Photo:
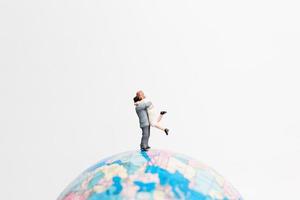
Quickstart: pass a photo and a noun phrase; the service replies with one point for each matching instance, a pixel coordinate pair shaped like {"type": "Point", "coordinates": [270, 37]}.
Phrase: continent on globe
{"type": "Point", "coordinates": [153, 175]}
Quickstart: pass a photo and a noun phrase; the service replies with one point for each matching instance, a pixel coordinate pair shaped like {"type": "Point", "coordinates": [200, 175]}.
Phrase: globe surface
{"type": "Point", "coordinates": [154, 174]}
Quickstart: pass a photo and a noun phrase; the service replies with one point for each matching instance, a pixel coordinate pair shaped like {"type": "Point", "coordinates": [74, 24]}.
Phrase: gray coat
{"type": "Point", "coordinates": [141, 111]}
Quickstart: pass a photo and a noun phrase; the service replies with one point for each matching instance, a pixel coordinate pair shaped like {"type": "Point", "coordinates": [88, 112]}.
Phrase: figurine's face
{"type": "Point", "coordinates": [140, 94]}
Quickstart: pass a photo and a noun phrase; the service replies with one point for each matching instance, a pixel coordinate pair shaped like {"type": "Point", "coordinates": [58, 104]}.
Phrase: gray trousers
{"type": "Point", "coordinates": [145, 137]}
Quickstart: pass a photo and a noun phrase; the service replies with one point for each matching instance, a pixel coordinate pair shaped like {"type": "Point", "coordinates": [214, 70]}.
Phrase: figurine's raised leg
{"type": "Point", "coordinates": [161, 115]}
{"type": "Point", "coordinates": [157, 125]}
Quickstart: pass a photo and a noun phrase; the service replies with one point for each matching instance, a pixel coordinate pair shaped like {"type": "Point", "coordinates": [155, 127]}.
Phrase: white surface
{"type": "Point", "coordinates": [226, 71]}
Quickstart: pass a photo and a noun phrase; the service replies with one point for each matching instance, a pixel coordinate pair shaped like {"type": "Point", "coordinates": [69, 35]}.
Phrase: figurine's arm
{"type": "Point", "coordinates": [143, 105]}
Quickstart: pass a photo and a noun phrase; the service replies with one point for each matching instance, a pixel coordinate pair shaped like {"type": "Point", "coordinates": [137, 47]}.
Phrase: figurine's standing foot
{"type": "Point", "coordinates": [144, 149]}
{"type": "Point", "coordinates": [167, 131]}
{"type": "Point", "coordinates": [148, 147]}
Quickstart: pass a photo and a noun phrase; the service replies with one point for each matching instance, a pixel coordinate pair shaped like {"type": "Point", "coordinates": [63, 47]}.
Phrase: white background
{"type": "Point", "coordinates": [227, 72]}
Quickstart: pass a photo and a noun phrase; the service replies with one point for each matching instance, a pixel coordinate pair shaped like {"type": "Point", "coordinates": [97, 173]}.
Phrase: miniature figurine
{"type": "Point", "coordinates": [147, 117]}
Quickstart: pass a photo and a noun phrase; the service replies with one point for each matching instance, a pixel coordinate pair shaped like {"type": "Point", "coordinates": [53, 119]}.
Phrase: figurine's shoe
{"type": "Point", "coordinates": [163, 112]}
{"type": "Point", "coordinates": [167, 131]}
{"type": "Point", "coordinates": [148, 147]}
{"type": "Point", "coordinates": [144, 149]}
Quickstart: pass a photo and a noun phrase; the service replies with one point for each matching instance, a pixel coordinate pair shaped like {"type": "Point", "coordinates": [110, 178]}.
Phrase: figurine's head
{"type": "Point", "coordinates": [140, 94]}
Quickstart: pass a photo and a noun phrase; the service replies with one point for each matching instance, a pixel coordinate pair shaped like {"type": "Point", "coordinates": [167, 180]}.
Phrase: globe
{"type": "Point", "coordinates": [155, 174]}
